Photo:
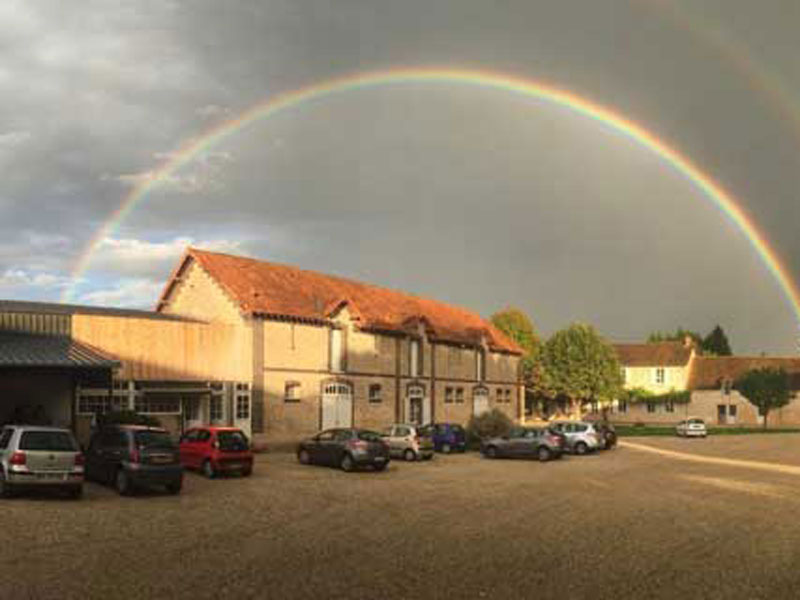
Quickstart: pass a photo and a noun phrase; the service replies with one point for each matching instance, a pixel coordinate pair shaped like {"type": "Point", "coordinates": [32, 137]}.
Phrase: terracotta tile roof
{"type": "Point", "coordinates": [661, 354]}
{"type": "Point", "coordinates": [708, 372]}
{"type": "Point", "coordinates": [277, 290]}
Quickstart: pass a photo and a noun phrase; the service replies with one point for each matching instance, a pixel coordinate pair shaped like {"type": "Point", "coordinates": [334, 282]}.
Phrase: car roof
{"type": "Point", "coordinates": [126, 427]}
{"type": "Point", "coordinates": [36, 428]}
{"type": "Point", "coordinates": [213, 428]}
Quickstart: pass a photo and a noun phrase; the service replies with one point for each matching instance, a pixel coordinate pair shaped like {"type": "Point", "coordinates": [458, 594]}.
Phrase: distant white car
{"type": "Point", "coordinates": [692, 427]}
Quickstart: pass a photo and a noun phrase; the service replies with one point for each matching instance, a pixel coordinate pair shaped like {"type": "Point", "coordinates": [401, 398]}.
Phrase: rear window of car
{"type": "Point", "coordinates": [369, 436]}
{"type": "Point", "coordinates": [54, 441]}
{"type": "Point", "coordinates": [696, 422]}
{"type": "Point", "coordinates": [147, 439]}
{"type": "Point", "coordinates": [232, 440]}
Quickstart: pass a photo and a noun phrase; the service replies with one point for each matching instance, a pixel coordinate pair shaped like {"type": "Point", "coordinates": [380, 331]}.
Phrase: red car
{"type": "Point", "coordinates": [216, 450]}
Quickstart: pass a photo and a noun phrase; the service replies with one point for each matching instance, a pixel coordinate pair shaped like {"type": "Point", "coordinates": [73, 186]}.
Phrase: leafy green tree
{"type": "Point", "coordinates": [678, 336]}
{"type": "Point", "coordinates": [581, 366]}
{"type": "Point", "coordinates": [765, 388]}
{"type": "Point", "coordinates": [517, 325]}
{"type": "Point", "coordinates": [716, 343]}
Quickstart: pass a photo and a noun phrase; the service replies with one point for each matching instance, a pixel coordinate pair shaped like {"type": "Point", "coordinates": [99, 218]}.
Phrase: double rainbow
{"type": "Point", "coordinates": [534, 90]}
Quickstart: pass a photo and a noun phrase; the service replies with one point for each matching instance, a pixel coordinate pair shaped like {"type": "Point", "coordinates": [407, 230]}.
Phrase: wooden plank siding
{"type": "Point", "coordinates": [169, 350]}
{"type": "Point", "coordinates": [38, 323]}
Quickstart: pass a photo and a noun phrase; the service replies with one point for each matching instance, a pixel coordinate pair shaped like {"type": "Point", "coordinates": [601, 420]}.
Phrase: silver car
{"type": "Point", "coordinates": [692, 427]}
{"type": "Point", "coordinates": [37, 457]}
{"type": "Point", "coordinates": [582, 437]}
{"type": "Point", "coordinates": [408, 442]}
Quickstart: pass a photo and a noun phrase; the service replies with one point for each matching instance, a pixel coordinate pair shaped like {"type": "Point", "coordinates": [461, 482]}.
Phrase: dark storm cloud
{"type": "Point", "coordinates": [472, 196]}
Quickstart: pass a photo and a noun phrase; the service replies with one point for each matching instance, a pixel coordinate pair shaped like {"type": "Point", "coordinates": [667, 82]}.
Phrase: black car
{"type": "Point", "coordinates": [133, 456]}
{"type": "Point", "coordinates": [345, 448]}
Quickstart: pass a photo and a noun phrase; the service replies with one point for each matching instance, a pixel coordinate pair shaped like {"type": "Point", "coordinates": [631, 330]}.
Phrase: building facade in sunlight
{"type": "Point", "coordinates": [276, 350]}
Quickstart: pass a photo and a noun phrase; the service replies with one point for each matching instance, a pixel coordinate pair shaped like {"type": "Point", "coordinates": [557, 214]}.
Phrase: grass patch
{"type": "Point", "coordinates": [656, 430]}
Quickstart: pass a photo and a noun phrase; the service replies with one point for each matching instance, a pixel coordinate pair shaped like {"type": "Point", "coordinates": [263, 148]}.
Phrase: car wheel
{"type": "Point", "coordinates": [347, 463]}
{"type": "Point", "coordinates": [208, 469]}
{"type": "Point", "coordinates": [304, 457]}
{"type": "Point", "coordinates": [6, 491]}
{"type": "Point", "coordinates": [175, 487]}
{"type": "Point", "coordinates": [446, 448]}
{"type": "Point", "coordinates": [123, 483]}
{"type": "Point", "coordinates": [581, 448]}
{"type": "Point", "coordinates": [544, 453]}
{"type": "Point", "coordinates": [409, 455]}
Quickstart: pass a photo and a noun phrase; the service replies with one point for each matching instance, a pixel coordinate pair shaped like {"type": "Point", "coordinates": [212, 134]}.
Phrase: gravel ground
{"type": "Point", "coordinates": [620, 524]}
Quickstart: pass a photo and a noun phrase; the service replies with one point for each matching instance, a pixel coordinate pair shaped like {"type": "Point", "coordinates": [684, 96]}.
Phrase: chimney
{"type": "Point", "coordinates": [688, 342]}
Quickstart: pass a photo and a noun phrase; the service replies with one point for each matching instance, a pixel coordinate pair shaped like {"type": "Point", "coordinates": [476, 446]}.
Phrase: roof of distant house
{"type": "Point", "coordinates": [659, 354]}
{"type": "Point", "coordinates": [274, 290]}
{"type": "Point", "coordinates": [709, 372]}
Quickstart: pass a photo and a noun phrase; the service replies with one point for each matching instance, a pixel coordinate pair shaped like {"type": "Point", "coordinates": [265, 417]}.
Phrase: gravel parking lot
{"type": "Point", "coordinates": [622, 524]}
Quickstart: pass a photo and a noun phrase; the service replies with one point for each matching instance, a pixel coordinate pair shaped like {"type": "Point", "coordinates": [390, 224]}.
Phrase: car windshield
{"type": "Point", "coordinates": [232, 440]}
{"type": "Point", "coordinates": [147, 439]}
{"type": "Point", "coordinates": [696, 422]}
{"type": "Point", "coordinates": [369, 436]}
{"type": "Point", "coordinates": [54, 441]}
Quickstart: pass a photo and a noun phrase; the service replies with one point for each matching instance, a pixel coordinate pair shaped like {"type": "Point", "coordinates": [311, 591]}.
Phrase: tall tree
{"type": "Point", "coordinates": [581, 366]}
{"type": "Point", "coordinates": [716, 343]}
{"type": "Point", "coordinates": [517, 325]}
{"type": "Point", "coordinates": [766, 388]}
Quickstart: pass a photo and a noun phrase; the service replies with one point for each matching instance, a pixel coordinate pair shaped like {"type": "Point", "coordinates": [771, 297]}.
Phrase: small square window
{"type": "Point", "coordinates": [291, 392]}
{"type": "Point", "coordinates": [651, 407]}
{"type": "Point", "coordinates": [459, 395]}
{"type": "Point", "coordinates": [448, 395]}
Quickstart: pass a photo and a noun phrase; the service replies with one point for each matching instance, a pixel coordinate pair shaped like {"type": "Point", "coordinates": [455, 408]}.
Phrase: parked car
{"type": "Point", "coordinates": [40, 457]}
{"type": "Point", "coordinates": [345, 448]}
{"type": "Point", "coordinates": [538, 442]}
{"type": "Point", "coordinates": [447, 437]}
{"type": "Point", "coordinates": [215, 450]}
{"type": "Point", "coordinates": [582, 436]}
{"type": "Point", "coordinates": [409, 442]}
{"type": "Point", "coordinates": [133, 456]}
{"type": "Point", "coordinates": [692, 427]}
{"type": "Point", "coordinates": [608, 435]}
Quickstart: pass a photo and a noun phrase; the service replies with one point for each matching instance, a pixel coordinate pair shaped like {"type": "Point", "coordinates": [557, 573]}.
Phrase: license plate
{"type": "Point", "coordinates": [51, 476]}
{"type": "Point", "coordinates": [379, 459]}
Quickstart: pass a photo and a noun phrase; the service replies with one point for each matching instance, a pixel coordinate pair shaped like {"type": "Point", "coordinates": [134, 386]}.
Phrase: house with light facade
{"type": "Point", "coordinates": [669, 370]}
{"type": "Point", "coordinates": [279, 351]}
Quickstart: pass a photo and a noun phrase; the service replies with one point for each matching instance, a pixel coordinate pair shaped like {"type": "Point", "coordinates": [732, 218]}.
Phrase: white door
{"type": "Point", "coordinates": [418, 407]}
{"type": "Point", "coordinates": [480, 401]}
{"type": "Point", "coordinates": [337, 405]}
{"type": "Point", "coordinates": [242, 408]}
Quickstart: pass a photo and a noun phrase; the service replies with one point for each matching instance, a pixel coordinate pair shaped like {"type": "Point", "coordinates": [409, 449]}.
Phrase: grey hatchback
{"type": "Point", "coordinates": [39, 457]}
{"type": "Point", "coordinates": [525, 442]}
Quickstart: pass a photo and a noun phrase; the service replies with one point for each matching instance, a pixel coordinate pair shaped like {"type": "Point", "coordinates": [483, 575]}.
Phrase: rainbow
{"type": "Point", "coordinates": [534, 90]}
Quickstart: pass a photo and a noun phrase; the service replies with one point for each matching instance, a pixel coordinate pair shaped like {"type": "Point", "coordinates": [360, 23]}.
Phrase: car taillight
{"type": "Point", "coordinates": [80, 460]}
{"type": "Point", "coordinates": [18, 458]}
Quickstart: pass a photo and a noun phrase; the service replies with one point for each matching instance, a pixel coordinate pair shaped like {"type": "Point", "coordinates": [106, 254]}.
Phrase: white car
{"type": "Point", "coordinates": [692, 427]}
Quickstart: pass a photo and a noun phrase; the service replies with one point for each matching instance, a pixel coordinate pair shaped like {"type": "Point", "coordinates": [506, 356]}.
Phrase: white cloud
{"type": "Point", "coordinates": [14, 279]}
{"type": "Point", "coordinates": [201, 174]}
{"type": "Point", "coordinates": [142, 258]}
{"type": "Point", "coordinates": [14, 138]}
{"type": "Point", "coordinates": [132, 293]}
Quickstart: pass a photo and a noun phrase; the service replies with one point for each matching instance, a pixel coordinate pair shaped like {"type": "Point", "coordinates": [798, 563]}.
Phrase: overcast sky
{"type": "Point", "coordinates": [474, 196]}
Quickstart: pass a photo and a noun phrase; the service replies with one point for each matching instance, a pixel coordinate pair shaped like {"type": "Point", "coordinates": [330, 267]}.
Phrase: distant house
{"type": "Point", "coordinates": [664, 367]}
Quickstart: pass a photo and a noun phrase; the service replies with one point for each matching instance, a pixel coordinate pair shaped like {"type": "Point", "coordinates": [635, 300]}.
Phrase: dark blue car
{"type": "Point", "coordinates": [447, 437]}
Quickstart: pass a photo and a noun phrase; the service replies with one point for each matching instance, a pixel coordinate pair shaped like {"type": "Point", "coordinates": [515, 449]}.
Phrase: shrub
{"type": "Point", "coordinates": [489, 424]}
{"type": "Point", "coordinates": [127, 417]}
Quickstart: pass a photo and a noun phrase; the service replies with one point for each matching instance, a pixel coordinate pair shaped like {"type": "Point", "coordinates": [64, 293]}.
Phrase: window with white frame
{"type": "Point", "coordinates": [242, 401]}
{"type": "Point", "coordinates": [216, 409]}
{"type": "Point", "coordinates": [291, 391]}
{"type": "Point", "coordinates": [375, 393]}
{"type": "Point", "coordinates": [661, 375]}
{"type": "Point", "coordinates": [413, 358]}
{"type": "Point", "coordinates": [159, 404]}
{"type": "Point", "coordinates": [97, 400]}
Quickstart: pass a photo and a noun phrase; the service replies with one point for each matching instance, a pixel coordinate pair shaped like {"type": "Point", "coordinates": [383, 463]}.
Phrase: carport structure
{"type": "Point", "coordinates": [41, 372]}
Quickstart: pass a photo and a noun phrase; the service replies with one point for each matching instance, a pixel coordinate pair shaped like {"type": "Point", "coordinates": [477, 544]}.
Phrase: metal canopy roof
{"type": "Point", "coordinates": [22, 350]}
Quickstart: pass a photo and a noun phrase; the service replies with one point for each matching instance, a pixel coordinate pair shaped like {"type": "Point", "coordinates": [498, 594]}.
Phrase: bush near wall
{"type": "Point", "coordinates": [492, 423]}
{"type": "Point", "coordinates": [127, 417]}
{"type": "Point", "coordinates": [641, 395]}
